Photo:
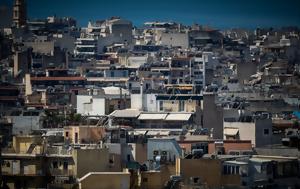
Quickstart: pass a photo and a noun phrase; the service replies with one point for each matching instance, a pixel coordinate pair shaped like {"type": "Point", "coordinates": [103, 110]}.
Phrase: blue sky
{"type": "Point", "coordinates": [218, 13]}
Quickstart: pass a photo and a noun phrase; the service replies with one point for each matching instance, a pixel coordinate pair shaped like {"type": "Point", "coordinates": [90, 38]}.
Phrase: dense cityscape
{"type": "Point", "coordinates": [165, 105]}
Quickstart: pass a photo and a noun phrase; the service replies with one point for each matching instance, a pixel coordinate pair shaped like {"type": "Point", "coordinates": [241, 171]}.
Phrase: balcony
{"type": "Point", "coordinates": [61, 172]}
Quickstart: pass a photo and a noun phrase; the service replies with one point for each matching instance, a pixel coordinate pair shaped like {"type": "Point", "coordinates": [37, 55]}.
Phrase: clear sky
{"type": "Point", "coordinates": [218, 13]}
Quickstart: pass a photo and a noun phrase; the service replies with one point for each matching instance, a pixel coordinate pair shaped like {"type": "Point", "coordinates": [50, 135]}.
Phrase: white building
{"type": "Point", "coordinates": [258, 130]}
{"type": "Point", "coordinates": [97, 35]}
{"type": "Point", "coordinates": [98, 103]}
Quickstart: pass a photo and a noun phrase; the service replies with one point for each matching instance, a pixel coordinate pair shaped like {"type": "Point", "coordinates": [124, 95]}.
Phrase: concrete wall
{"type": "Point", "coordinates": [138, 152]}
{"type": "Point", "coordinates": [231, 146]}
{"type": "Point", "coordinates": [136, 61]}
{"type": "Point", "coordinates": [22, 143]}
{"type": "Point", "coordinates": [157, 179]}
{"type": "Point", "coordinates": [261, 138]}
{"type": "Point", "coordinates": [245, 70]}
{"type": "Point", "coordinates": [84, 157]}
{"type": "Point", "coordinates": [254, 131]}
{"type": "Point", "coordinates": [209, 171]}
{"type": "Point", "coordinates": [122, 30]}
{"type": "Point", "coordinates": [173, 106]}
{"type": "Point", "coordinates": [137, 101]}
{"type": "Point", "coordinates": [113, 180]}
{"type": "Point", "coordinates": [66, 42]}
{"type": "Point", "coordinates": [171, 146]}
{"type": "Point", "coordinates": [147, 103]}
{"type": "Point", "coordinates": [43, 47]}
{"type": "Point", "coordinates": [25, 124]}
{"type": "Point", "coordinates": [21, 63]}
{"type": "Point", "coordinates": [96, 107]}
{"type": "Point", "coordinates": [246, 130]}
{"type": "Point", "coordinates": [175, 39]}
{"type": "Point", "coordinates": [150, 101]}
{"type": "Point", "coordinates": [199, 168]}
{"type": "Point", "coordinates": [212, 116]}
{"type": "Point", "coordinates": [86, 134]}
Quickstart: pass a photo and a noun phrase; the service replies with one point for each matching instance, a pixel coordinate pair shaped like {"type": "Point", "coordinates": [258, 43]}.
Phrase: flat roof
{"type": "Point", "coordinates": [152, 116]}
{"type": "Point", "coordinates": [178, 116]}
{"type": "Point", "coordinates": [127, 113]}
{"type": "Point", "coordinates": [102, 173]}
{"type": "Point", "coordinates": [236, 162]}
{"type": "Point", "coordinates": [260, 158]}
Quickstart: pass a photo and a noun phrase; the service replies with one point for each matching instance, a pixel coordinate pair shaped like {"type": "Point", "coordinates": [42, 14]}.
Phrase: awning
{"type": "Point", "coordinates": [144, 116]}
{"type": "Point", "coordinates": [178, 117]}
{"type": "Point", "coordinates": [152, 133]}
{"type": "Point", "coordinates": [127, 113]}
{"type": "Point", "coordinates": [231, 131]}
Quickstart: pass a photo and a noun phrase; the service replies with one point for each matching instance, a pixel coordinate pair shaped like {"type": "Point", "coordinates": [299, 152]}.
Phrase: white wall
{"type": "Point", "coordinates": [175, 39]}
{"type": "Point", "coordinates": [246, 130]}
{"type": "Point", "coordinates": [137, 61]}
{"type": "Point", "coordinates": [97, 106]}
{"type": "Point", "coordinates": [150, 102]}
{"type": "Point", "coordinates": [81, 99]}
{"type": "Point", "coordinates": [145, 103]}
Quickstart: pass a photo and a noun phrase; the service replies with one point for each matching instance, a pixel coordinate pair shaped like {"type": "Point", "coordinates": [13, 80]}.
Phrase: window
{"type": "Point", "coordinates": [67, 134]}
{"type": "Point", "coordinates": [55, 164]}
{"type": "Point", "coordinates": [65, 165]}
{"type": "Point", "coordinates": [196, 180]}
{"type": "Point", "coordinates": [181, 106]}
{"type": "Point", "coordinates": [161, 105]}
{"type": "Point", "coordinates": [128, 157]}
{"type": "Point", "coordinates": [225, 172]}
{"type": "Point", "coordinates": [111, 160]}
{"type": "Point", "coordinates": [76, 137]}
{"type": "Point", "coordinates": [266, 131]}
{"type": "Point", "coordinates": [119, 104]}
{"type": "Point", "coordinates": [7, 164]}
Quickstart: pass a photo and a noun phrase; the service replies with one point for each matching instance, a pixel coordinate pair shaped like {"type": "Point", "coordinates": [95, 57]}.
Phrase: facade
{"type": "Point", "coordinates": [174, 40]}
{"type": "Point", "coordinates": [259, 131]}
{"type": "Point", "coordinates": [27, 122]}
{"type": "Point", "coordinates": [83, 134]}
{"type": "Point", "coordinates": [193, 173]}
{"type": "Point", "coordinates": [163, 150]}
{"type": "Point", "coordinates": [164, 105]}
{"type": "Point", "coordinates": [19, 13]}
{"type": "Point", "coordinates": [121, 180]}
